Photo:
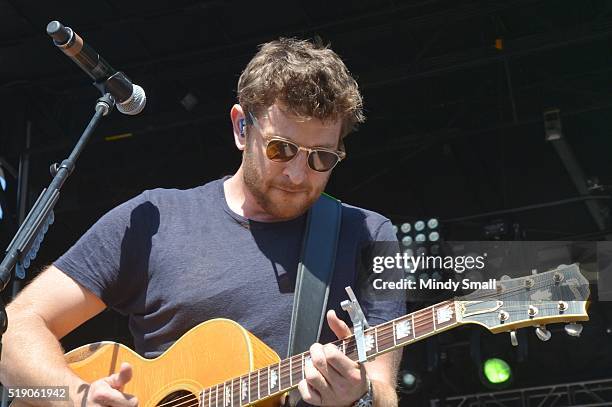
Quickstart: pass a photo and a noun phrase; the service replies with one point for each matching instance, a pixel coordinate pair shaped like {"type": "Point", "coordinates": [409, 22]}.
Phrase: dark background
{"type": "Point", "coordinates": [455, 129]}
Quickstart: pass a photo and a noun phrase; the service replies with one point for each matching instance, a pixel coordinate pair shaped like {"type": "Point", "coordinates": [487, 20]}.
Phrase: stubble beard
{"type": "Point", "coordinates": [262, 193]}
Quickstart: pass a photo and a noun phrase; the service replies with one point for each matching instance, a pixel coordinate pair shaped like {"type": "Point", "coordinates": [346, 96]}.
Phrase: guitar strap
{"type": "Point", "coordinates": [314, 273]}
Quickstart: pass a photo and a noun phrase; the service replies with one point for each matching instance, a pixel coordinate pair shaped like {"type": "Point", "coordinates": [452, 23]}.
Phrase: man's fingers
{"type": "Point", "coordinates": [316, 380]}
{"type": "Point", "coordinates": [119, 379]}
{"type": "Point", "coordinates": [309, 394]}
{"type": "Point", "coordinates": [108, 391]}
{"type": "Point", "coordinates": [339, 366]}
{"type": "Point", "coordinates": [317, 357]}
{"type": "Point", "coordinates": [338, 326]}
{"type": "Point", "coordinates": [114, 398]}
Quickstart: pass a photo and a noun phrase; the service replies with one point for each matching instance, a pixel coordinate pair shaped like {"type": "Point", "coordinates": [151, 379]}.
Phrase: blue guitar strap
{"type": "Point", "coordinates": [314, 273]}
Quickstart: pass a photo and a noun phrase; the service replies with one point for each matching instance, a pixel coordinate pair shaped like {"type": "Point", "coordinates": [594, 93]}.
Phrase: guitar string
{"type": "Point", "coordinates": [350, 349]}
{"type": "Point", "coordinates": [419, 317]}
{"type": "Point", "coordinates": [383, 343]}
{"type": "Point", "coordinates": [423, 318]}
{"type": "Point", "coordinates": [232, 390]}
{"type": "Point", "coordinates": [382, 338]}
{"type": "Point", "coordinates": [282, 376]}
{"type": "Point", "coordinates": [538, 284]}
{"type": "Point", "coordinates": [286, 376]}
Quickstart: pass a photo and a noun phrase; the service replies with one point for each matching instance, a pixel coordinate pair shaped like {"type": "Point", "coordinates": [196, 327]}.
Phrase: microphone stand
{"type": "Point", "coordinates": [24, 246]}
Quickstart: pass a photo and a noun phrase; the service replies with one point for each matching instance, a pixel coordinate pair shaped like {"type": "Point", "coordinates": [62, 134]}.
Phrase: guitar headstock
{"type": "Point", "coordinates": [558, 295]}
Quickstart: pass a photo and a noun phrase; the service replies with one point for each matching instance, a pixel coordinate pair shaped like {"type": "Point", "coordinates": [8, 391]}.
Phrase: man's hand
{"type": "Point", "coordinates": [108, 391]}
{"type": "Point", "coordinates": [332, 378]}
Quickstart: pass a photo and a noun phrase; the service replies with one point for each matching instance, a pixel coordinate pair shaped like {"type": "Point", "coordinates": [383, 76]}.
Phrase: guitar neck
{"type": "Point", "coordinates": [285, 375]}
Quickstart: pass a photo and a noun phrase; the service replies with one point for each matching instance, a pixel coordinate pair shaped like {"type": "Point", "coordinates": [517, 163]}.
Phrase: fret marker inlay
{"type": "Point", "coordinates": [245, 389]}
{"type": "Point", "coordinates": [307, 361]}
{"type": "Point", "coordinates": [403, 329]}
{"type": "Point", "coordinates": [369, 341]}
{"type": "Point", "coordinates": [228, 396]}
{"type": "Point", "coordinates": [444, 314]}
{"type": "Point", "coordinates": [273, 379]}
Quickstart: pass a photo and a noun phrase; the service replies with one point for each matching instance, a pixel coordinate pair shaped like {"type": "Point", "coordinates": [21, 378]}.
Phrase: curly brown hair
{"type": "Point", "coordinates": [309, 80]}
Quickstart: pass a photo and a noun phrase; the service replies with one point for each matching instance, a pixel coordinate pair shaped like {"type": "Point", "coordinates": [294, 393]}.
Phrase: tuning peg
{"type": "Point", "coordinates": [542, 333]}
{"type": "Point", "coordinates": [573, 329]}
{"type": "Point", "coordinates": [513, 338]}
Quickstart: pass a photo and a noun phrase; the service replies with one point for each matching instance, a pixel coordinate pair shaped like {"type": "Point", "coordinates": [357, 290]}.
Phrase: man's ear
{"type": "Point", "coordinates": [238, 126]}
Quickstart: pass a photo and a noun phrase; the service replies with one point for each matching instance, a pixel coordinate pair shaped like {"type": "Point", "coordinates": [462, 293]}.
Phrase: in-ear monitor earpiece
{"type": "Point", "coordinates": [242, 124]}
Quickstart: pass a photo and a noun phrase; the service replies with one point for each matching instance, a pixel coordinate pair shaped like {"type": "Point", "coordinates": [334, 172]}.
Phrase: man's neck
{"type": "Point", "coordinates": [240, 200]}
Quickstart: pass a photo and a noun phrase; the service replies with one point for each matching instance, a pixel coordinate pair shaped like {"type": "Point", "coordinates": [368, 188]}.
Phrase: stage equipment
{"type": "Point", "coordinates": [2, 193]}
{"type": "Point", "coordinates": [420, 240]}
{"type": "Point", "coordinates": [130, 98]}
{"type": "Point", "coordinates": [552, 124]}
{"type": "Point", "coordinates": [408, 381]}
{"type": "Point", "coordinates": [496, 371]}
{"type": "Point", "coordinates": [588, 393]}
{"type": "Point", "coordinates": [26, 242]}
{"type": "Point", "coordinates": [554, 134]}
{"type": "Point", "coordinates": [421, 237]}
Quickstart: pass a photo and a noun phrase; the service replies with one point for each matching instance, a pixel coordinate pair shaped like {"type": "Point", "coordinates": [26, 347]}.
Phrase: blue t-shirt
{"type": "Point", "coordinates": [171, 259]}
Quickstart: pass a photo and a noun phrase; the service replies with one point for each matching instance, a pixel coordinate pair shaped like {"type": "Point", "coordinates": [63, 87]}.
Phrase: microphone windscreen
{"type": "Point", "coordinates": [135, 103]}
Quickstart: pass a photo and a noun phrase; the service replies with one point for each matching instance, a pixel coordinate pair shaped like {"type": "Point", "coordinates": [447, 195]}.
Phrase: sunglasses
{"type": "Point", "coordinates": [279, 149]}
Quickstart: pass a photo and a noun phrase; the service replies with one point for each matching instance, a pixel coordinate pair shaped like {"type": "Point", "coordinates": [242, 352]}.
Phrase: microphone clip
{"type": "Point", "coordinates": [118, 85]}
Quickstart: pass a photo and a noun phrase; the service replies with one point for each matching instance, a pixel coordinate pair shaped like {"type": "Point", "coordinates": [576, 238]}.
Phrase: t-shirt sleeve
{"type": "Point", "coordinates": [111, 258]}
{"type": "Point", "coordinates": [379, 302]}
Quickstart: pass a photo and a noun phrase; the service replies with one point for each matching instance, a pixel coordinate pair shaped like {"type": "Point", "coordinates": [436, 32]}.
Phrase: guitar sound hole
{"type": "Point", "coordinates": [180, 398]}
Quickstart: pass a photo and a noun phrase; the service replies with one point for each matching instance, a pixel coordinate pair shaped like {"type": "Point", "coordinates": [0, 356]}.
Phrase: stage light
{"type": "Point", "coordinates": [2, 180]}
{"type": "Point", "coordinates": [395, 229]}
{"type": "Point", "coordinates": [497, 371]}
{"type": "Point", "coordinates": [499, 44]}
{"type": "Point", "coordinates": [419, 225]}
{"type": "Point", "coordinates": [420, 238]}
{"type": "Point", "coordinates": [406, 241]}
{"type": "Point", "coordinates": [405, 227]}
{"type": "Point", "coordinates": [2, 190]}
{"type": "Point", "coordinates": [408, 382]}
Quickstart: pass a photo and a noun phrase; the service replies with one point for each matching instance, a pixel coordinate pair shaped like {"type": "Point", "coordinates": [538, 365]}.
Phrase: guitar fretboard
{"type": "Point", "coordinates": [286, 374]}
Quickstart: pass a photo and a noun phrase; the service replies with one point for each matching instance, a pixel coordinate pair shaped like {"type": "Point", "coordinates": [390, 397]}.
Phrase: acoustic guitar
{"type": "Point", "coordinates": [220, 364]}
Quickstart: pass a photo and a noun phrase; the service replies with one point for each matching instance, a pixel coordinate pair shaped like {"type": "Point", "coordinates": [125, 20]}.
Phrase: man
{"type": "Point", "coordinates": [171, 259]}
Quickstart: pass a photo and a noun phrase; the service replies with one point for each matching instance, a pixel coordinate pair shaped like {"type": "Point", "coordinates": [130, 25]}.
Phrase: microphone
{"type": "Point", "coordinates": [130, 98]}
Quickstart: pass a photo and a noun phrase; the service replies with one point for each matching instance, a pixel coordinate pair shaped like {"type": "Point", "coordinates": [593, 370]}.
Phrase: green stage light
{"type": "Point", "coordinates": [497, 371]}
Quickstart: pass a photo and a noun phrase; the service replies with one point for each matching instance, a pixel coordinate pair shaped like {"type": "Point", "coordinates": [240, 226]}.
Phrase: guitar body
{"type": "Point", "coordinates": [210, 353]}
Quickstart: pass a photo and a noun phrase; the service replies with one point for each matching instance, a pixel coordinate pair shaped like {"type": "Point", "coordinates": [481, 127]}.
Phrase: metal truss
{"type": "Point", "coordinates": [584, 394]}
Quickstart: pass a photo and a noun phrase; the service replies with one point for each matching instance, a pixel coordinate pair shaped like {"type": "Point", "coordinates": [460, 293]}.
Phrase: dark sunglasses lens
{"type": "Point", "coordinates": [322, 160]}
{"type": "Point", "coordinates": [282, 151]}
